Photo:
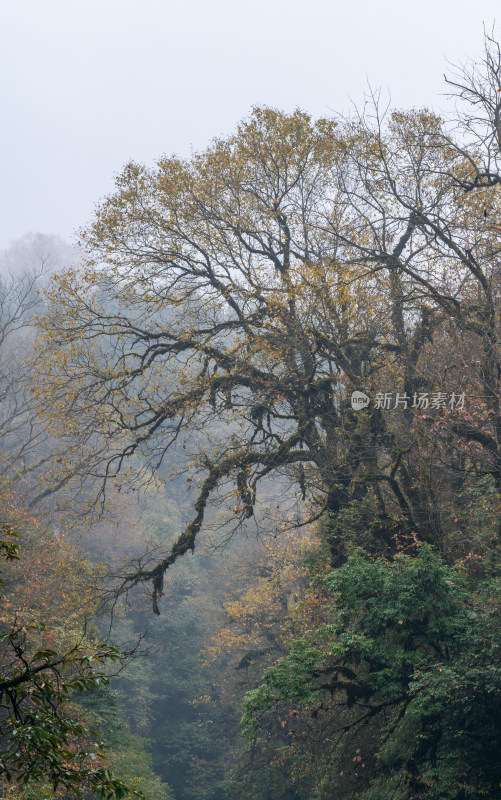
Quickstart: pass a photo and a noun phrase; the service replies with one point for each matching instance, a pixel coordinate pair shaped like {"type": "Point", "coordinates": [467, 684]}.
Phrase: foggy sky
{"type": "Point", "coordinates": [86, 85]}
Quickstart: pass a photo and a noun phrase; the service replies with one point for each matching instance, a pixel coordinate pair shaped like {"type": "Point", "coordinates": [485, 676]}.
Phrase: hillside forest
{"type": "Point", "coordinates": [250, 468]}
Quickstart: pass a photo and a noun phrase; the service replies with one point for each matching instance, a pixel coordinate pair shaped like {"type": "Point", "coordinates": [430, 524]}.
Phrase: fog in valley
{"type": "Point", "coordinates": [250, 417]}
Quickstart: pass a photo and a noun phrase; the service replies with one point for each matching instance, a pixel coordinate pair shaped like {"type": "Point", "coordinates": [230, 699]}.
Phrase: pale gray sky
{"type": "Point", "coordinates": [86, 85]}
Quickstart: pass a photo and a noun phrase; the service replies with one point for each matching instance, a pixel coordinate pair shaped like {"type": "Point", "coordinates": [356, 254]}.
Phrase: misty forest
{"type": "Point", "coordinates": [250, 468]}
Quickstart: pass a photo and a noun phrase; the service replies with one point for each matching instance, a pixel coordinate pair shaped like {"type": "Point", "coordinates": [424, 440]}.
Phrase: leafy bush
{"type": "Point", "coordinates": [411, 658]}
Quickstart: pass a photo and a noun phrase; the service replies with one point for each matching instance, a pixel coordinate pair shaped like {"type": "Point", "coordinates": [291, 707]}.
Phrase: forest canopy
{"type": "Point", "coordinates": [294, 333]}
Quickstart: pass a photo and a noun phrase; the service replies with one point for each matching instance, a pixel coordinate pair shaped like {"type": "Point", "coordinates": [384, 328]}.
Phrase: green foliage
{"type": "Point", "coordinates": [133, 764]}
{"type": "Point", "coordinates": [192, 731]}
{"type": "Point", "coordinates": [414, 650]}
{"type": "Point", "coordinates": [9, 550]}
{"type": "Point", "coordinates": [41, 740]}
{"type": "Point", "coordinates": [129, 755]}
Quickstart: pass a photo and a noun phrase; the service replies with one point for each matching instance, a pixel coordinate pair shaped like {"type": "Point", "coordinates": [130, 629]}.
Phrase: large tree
{"type": "Point", "coordinates": [228, 304]}
{"type": "Point", "coordinates": [243, 294]}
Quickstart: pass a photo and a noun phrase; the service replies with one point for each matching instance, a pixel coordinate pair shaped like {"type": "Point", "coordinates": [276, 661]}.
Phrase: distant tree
{"type": "Point", "coordinates": [19, 298]}
{"type": "Point", "coordinates": [29, 452]}
{"type": "Point", "coordinates": [35, 251]}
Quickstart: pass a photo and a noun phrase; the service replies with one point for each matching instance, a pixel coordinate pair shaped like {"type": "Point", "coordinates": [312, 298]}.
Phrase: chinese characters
{"type": "Point", "coordinates": [421, 401]}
